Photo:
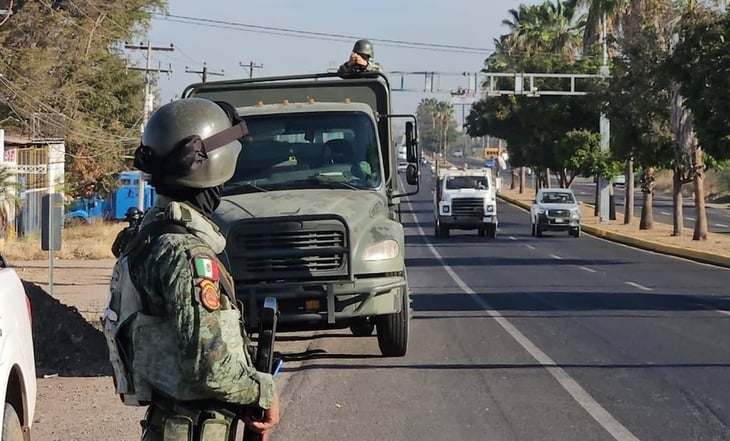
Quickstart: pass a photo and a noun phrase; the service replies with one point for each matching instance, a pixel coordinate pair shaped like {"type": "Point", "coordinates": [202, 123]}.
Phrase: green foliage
{"type": "Point", "coordinates": [436, 124]}
{"type": "Point", "coordinates": [700, 63]}
{"type": "Point", "coordinates": [65, 76]}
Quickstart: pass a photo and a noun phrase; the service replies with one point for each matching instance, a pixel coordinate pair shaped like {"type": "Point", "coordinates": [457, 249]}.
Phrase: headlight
{"type": "Point", "coordinates": [540, 211]}
{"type": "Point", "coordinates": [388, 249]}
{"type": "Point", "coordinates": [575, 212]}
{"type": "Point", "coordinates": [490, 208]}
{"type": "Point", "coordinates": [446, 208]}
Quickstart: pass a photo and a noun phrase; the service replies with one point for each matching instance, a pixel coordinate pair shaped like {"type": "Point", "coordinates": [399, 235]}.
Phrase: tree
{"type": "Point", "coordinates": [62, 65]}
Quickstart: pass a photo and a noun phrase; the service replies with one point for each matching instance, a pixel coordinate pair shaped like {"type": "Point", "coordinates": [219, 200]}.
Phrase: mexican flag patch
{"type": "Point", "coordinates": [206, 268]}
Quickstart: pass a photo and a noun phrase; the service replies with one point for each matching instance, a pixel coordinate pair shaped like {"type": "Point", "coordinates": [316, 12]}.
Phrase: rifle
{"type": "Point", "coordinates": [265, 360]}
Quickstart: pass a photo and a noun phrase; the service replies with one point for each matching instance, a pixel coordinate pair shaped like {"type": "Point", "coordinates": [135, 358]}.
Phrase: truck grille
{"type": "Point", "coordinates": [559, 213]}
{"type": "Point", "coordinates": [287, 250]}
{"type": "Point", "coordinates": [467, 207]}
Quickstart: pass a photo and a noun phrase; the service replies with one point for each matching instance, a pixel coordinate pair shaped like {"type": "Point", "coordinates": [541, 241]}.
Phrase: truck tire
{"type": "Point", "coordinates": [393, 329]}
{"type": "Point", "coordinates": [443, 230]}
{"type": "Point", "coordinates": [12, 430]}
{"type": "Point", "coordinates": [482, 231]}
{"type": "Point", "coordinates": [492, 231]}
{"type": "Point", "coordinates": [538, 231]}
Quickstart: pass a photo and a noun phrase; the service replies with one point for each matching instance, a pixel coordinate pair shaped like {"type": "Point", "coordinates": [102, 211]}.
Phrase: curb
{"type": "Point", "coordinates": [648, 245]}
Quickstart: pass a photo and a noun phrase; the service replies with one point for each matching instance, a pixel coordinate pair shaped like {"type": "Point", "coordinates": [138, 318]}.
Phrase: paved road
{"type": "Point", "coordinates": [520, 338]}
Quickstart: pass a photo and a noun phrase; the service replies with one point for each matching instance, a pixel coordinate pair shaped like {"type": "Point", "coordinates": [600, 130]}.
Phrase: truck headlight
{"type": "Point", "coordinates": [540, 211]}
{"type": "Point", "coordinates": [446, 208]}
{"type": "Point", "coordinates": [387, 249]}
{"type": "Point", "coordinates": [490, 208]}
{"type": "Point", "coordinates": [575, 213]}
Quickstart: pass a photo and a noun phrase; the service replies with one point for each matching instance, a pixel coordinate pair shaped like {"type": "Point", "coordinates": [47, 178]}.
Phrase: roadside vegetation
{"type": "Point", "coordinates": [665, 95]}
{"type": "Point", "coordinates": [82, 241]}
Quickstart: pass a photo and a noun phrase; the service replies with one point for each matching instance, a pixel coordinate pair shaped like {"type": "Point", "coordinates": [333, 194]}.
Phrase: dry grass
{"type": "Point", "coordinates": [718, 244]}
{"type": "Point", "coordinates": [88, 241]}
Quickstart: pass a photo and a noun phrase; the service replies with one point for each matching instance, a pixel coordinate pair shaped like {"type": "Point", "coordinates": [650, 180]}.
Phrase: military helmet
{"type": "Point", "coordinates": [178, 148]}
{"type": "Point", "coordinates": [364, 47]}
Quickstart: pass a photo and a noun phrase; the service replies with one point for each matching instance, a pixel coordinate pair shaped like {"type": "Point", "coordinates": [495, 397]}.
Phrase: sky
{"type": "Point", "coordinates": [287, 37]}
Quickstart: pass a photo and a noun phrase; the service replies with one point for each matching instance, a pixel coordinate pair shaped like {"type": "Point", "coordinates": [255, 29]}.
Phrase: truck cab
{"type": "Point", "coordinates": [465, 200]}
{"type": "Point", "coordinates": [311, 215]}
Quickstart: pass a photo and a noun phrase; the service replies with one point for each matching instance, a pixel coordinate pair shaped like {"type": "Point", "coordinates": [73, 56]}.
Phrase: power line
{"type": "Point", "coordinates": [317, 35]}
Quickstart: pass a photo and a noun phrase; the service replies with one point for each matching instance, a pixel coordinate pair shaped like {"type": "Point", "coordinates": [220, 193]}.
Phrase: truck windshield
{"type": "Point", "coordinates": [307, 150]}
{"type": "Point", "coordinates": [460, 182]}
{"type": "Point", "coordinates": [557, 198]}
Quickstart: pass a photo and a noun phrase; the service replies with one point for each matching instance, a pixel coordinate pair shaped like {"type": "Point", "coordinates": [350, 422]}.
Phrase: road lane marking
{"type": "Point", "coordinates": [555, 256]}
{"type": "Point", "coordinates": [722, 311]}
{"type": "Point", "coordinates": [722, 225]}
{"type": "Point", "coordinates": [691, 219]}
{"type": "Point", "coordinates": [585, 268]}
{"type": "Point", "coordinates": [642, 287]}
{"type": "Point", "coordinates": [666, 213]}
{"type": "Point", "coordinates": [617, 430]}
{"type": "Point", "coordinates": [530, 246]}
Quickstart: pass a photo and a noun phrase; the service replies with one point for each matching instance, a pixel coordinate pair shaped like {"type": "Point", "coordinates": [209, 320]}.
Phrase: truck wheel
{"type": "Point", "coordinates": [443, 231]}
{"type": "Point", "coordinates": [12, 430]}
{"type": "Point", "coordinates": [576, 232]}
{"type": "Point", "coordinates": [492, 231]}
{"type": "Point", "coordinates": [362, 329]}
{"type": "Point", "coordinates": [532, 229]}
{"type": "Point", "coordinates": [393, 329]}
{"type": "Point", "coordinates": [538, 231]}
{"type": "Point", "coordinates": [482, 231]}
{"type": "Point", "coordinates": [436, 229]}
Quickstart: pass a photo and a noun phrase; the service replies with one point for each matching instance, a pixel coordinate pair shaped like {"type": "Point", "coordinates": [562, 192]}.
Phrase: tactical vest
{"type": "Point", "coordinates": [125, 325]}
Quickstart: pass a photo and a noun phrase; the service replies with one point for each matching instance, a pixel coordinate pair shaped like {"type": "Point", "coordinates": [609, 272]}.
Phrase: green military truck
{"type": "Point", "coordinates": [312, 213]}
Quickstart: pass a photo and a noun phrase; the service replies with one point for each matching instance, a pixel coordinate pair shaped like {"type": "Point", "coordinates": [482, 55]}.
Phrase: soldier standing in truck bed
{"type": "Point", "coordinates": [361, 59]}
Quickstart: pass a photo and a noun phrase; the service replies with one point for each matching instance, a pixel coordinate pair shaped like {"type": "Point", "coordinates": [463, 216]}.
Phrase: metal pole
{"type": "Point", "coordinates": [605, 131]}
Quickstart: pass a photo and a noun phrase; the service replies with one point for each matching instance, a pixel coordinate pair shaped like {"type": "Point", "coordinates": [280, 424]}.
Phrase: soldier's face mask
{"type": "Point", "coordinates": [188, 155]}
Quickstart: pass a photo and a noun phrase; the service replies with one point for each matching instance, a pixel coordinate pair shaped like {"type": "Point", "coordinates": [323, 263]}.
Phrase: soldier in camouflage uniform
{"type": "Point", "coordinates": [360, 59]}
{"type": "Point", "coordinates": [172, 322]}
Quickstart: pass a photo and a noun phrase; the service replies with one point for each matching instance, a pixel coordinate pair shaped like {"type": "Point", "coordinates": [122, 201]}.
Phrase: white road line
{"type": "Point", "coordinates": [722, 225]}
{"type": "Point", "coordinates": [585, 268]}
{"type": "Point", "coordinates": [617, 430]}
{"type": "Point", "coordinates": [636, 285]}
{"type": "Point", "coordinates": [530, 246]}
{"type": "Point", "coordinates": [512, 238]}
{"type": "Point", "coordinates": [555, 256]}
{"type": "Point", "coordinates": [666, 213]}
{"type": "Point", "coordinates": [691, 219]}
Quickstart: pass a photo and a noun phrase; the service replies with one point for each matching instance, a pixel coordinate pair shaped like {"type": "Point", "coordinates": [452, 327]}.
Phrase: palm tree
{"type": "Point", "coordinates": [9, 200]}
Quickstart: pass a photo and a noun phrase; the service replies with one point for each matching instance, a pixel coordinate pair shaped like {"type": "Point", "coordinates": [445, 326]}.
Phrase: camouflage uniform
{"type": "Point", "coordinates": [372, 66]}
{"type": "Point", "coordinates": [193, 348]}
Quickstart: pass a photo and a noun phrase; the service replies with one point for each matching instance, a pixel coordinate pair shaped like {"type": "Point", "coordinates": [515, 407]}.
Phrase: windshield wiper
{"type": "Point", "coordinates": [231, 188]}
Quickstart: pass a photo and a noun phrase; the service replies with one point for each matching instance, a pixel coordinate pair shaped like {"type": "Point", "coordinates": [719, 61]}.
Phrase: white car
{"type": "Point", "coordinates": [17, 360]}
{"type": "Point", "coordinates": [402, 166]}
{"type": "Point", "coordinates": [555, 209]}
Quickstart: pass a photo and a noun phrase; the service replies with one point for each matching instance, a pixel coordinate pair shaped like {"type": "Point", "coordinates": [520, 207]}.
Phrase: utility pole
{"type": "Point", "coordinates": [251, 66]}
{"type": "Point", "coordinates": [149, 99]}
{"type": "Point", "coordinates": [605, 131]}
{"type": "Point", "coordinates": [204, 73]}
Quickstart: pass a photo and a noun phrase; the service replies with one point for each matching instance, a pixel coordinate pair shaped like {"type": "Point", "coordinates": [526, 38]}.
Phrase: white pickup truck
{"type": "Point", "coordinates": [17, 359]}
{"type": "Point", "coordinates": [465, 200]}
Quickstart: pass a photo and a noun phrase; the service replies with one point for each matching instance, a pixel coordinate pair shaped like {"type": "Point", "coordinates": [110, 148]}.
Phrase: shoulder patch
{"type": "Point", "coordinates": [206, 268]}
{"type": "Point", "coordinates": [210, 295]}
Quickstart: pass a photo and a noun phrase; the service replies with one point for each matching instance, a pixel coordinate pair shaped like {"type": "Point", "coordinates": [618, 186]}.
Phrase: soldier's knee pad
{"type": "Point", "coordinates": [177, 428]}
{"type": "Point", "coordinates": [215, 429]}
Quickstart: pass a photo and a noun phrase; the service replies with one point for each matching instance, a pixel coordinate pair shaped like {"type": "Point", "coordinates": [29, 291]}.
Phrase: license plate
{"type": "Point", "coordinates": [559, 221]}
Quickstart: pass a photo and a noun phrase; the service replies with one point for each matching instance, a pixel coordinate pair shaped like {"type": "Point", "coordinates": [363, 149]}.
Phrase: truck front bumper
{"type": "Point", "coordinates": [557, 224]}
{"type": "Point", "coordinates": [320, 304]}
{"type": "Point", "coordinates": [464, 222]}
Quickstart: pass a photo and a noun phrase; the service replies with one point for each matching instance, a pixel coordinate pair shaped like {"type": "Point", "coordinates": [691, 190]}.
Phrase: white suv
{"type": "Point", "coordinates": [17, 360]}
{"type": "Point", "coordinates": [555, 209]}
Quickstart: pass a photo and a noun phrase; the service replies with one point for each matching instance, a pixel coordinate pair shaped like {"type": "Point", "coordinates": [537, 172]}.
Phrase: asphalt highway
{"type": "Point", "coordinates": [522, 338]}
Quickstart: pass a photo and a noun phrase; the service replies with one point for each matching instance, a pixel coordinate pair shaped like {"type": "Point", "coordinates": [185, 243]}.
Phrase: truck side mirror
{"type": "Point", "coordinates": [411, 142]}
{"type": "Point", "coordinates": [412, 175]}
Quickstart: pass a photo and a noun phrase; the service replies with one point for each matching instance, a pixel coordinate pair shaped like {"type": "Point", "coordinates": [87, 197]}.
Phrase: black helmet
{"type": "Point", "coordinates": [191, 142]}
{"type": "Point", "coordinates": [364, 47]}
{"type": "Point", "coordinates": [133, 213]}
